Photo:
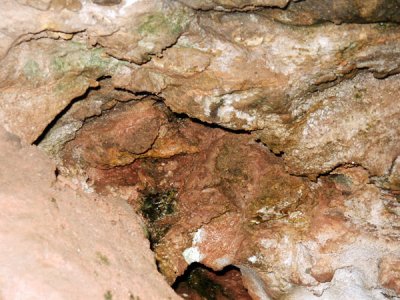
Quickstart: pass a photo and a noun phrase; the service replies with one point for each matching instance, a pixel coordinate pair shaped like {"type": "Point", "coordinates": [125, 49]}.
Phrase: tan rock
{"type": "Point", "coordinates": [59, 242]}
{"type": "Point", "coordinates": [47, 81]}
{"type": "Point", "coordinates": [351, 123]}
{"type": "Point", "coordinates": [249, 71]}
{"type": "Point", "coordinates": [316, 218]}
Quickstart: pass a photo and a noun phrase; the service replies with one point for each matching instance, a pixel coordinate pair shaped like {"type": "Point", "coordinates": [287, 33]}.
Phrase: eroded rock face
{"type": "Point", "coordinates": [47, 81]}
{"type": "Point", "coordinates": [255, 74]}
{"type": "Point", "coordinates": [231, 202]}
{"type": "Point", "coordinates": [54, 56]}
{"type": "Point", "coordinates": [59, 242]}
{"type": "Point", "coordinates": [338, 11]}
{"type": "Point", "coordinates": [356, 122]}
{"type": "Point", "coordinates": [234, 4]}
{"type": "Point", "coordinates": [259, 134]}
{"type": "Point", "coordinates": [246, 74]}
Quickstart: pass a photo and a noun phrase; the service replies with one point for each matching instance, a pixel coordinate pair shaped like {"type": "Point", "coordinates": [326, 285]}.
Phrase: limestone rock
{"type": "Point", "coordinates": [234, 4]}
{"type": "Point", "coordinates": [338, 11]}
{"type": "Point", "coordinates": [232, 203]}
{"type": "Point", "coordinates": [95, 101]}
{"type": "Point", "coordinates": [59, 242]}
{"type": "Point", "coordinates": [47, 81]}
{"type": "Point", "coordinates": [363, 120]}
{"type": "Point", "coordinates": [260, 134]}
{"type": "Point", "coordinates": [53, 53]}
{"type": "Point", "coordinates": [247, 74]}
{"type": "Point", "coordinates": [38, 4]}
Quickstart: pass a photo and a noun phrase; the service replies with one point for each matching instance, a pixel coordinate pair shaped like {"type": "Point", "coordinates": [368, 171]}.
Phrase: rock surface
{"type": "Point", "coordinates": [245, 72]}
{"type": "Point", "coordinates": [355, 122]}
{"type": "Point", "coordinates": [262, 134]}
{"type": "Point", "coordinates": [55, 55]}
{"type": "Point", "coordinates": [231, 202]}
{"type": "Point", "coordinates": [338, 11]}
{"type": "Point", "coordinates": [234, 4]}
{"type": "Point", "coordinates": [58, 242]}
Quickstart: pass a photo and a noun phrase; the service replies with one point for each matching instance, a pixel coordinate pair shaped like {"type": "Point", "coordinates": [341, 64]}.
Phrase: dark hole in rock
{"type": "Point", "coordinates": [199, 282]}
{"type": "Point", "coordinates": [155, 206]}
{"type": "Point", "coordinates": [107, 2]}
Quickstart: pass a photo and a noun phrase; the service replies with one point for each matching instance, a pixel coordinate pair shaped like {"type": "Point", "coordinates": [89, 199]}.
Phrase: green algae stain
{"type": "Point", "coordinates": [76, 64]}
{"type": "Point", "coordinates": [60, 65]}
{"type": "Point", "coordinates": [70, 84]}
{"type": "Point", "coordinates": [32, 70]}
{"type": "Point", "coordinates": [160, 23]}
{"type": "Point", "coordinates": [103, 259]}
{"type": "Point", "coordinates": [95, 58]}
{"type": "Point", "coordinates": [108, 295]}
{"type": "Point", "coordinates": [79, 59]}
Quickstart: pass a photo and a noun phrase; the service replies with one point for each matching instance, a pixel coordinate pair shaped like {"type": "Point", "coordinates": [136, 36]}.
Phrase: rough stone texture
{"type": "Point", "coordinates": [58, 242]}
{"type": "Point", "coordinates": [234, 4]}
{"type": "Point", "coordinates": [145, 131]}
{"type": "Point", "coordinates": [232, 202]}
{"type": "Point", "coordinates": [96, 100]}
{"type": "Point", "coordinates": [317, 11]}
{"type": "Point", "coordinates": [301, 192]}
{"type": "Point", "coordinates": [137, 28]}
{"type": "Point", "coordinates": [59, 53]}
{"type": "Point", "coordinates": [356, 122]}
{"type": "Point", "coordinates": [389, 273]}
{"type": "Point", "coordinates": [339, 253]}
{"type": "Point", "coordinates": [47, 82]}
{"type": "Point", "coordinates": [244, 71]}
{"type": "Point", "coordinates": [310, 11]}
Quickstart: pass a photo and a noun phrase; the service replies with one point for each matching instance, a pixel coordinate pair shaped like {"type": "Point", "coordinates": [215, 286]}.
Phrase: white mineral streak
{"type": "Point", "coordinates": [193, 253]}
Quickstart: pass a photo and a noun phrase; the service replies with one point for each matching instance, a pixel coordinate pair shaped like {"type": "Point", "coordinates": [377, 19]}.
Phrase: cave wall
{"type": "Point", "coordinates": [266, 131]}
{"type": "Point", "coordinates": [60, 242]}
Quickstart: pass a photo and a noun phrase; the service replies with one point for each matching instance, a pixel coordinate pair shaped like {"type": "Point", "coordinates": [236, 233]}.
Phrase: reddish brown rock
{"type": "Point", "coordinates": [230, 183]}
{"type": "Point", "coordinates": [394, 178]}
{"type": "Point", "coordinates": [100, 143]}
{"type": "Point", "coordinates": [321, 97]}
{"type": "Point", "coordinates": [311, 11]}
{"type": "Point", "coordinates": [389, 273]}
{"type": "Point", "coordinates": [130, 131]}
{"type": "Point", "coordinates": [231, 202]}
